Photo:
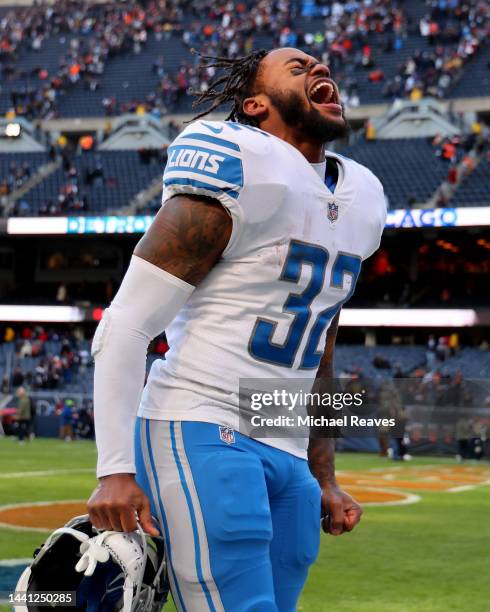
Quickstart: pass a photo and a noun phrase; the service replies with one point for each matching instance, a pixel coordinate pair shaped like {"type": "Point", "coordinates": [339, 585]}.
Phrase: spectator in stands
{"type": "Point", "coordinates": [61, 294]}
{"type": "Point", "coordinates": [25, 349]}
{"type": "Point", "coordinates": [431, 351]}
{"type": "Point", "coordinates": [17, 378]}
{"type": "Point", "coordinates": [453, 343]}
{"type": "Point", "coordinates": [370, 131]}
{"type": "Point", "coordinates": [9, 335]}
{"type": "Point", "coordinates": [452, 175]}
{"type": "Point", "coordinates": [442, 348]}
{"type": "Point", "coordinates": [398, 373]}
{"type": "Point", "coordinates": [345, 39]}
{"type": "Point", "coordinates": [448, 151]}
{"type": "Point", "coordinates": [381, 363]}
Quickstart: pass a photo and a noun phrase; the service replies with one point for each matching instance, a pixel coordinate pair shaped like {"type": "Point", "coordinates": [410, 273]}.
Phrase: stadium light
{"type": "Point", "coordinates": [41, 314]}
{"type": "Point", "coordinates": [403, 317]}
{"type": "Point", "coordinates": [349, 317]}
{"type": "Point", "coordinates": [12, 130]}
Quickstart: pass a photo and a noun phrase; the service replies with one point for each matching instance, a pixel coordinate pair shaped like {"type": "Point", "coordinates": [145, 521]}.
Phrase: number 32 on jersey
{"type": "Point", "coordinates": [262, 345]}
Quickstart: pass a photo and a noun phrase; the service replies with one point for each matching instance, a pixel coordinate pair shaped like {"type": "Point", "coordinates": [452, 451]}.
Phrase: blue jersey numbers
{"type": "Point", "coordinates": [262, 345]}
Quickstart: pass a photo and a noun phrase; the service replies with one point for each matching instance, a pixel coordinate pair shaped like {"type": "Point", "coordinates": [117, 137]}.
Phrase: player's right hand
{"type": "Point", "coordinates": [117, 502]}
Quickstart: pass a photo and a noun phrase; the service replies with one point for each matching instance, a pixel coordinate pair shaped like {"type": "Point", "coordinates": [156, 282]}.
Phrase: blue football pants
{"type": "Point", "coordinates": [241, 519]}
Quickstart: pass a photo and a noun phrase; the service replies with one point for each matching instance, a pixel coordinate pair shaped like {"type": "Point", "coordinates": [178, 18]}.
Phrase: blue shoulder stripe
{"type": "Point", "coordinates": [191, 182]}
{"type": "Point", "coordinates": [213, 140]}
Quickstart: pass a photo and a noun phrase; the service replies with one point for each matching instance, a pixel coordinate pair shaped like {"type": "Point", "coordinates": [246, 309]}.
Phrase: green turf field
{"type": "Point", "coordinates": [430, 556]}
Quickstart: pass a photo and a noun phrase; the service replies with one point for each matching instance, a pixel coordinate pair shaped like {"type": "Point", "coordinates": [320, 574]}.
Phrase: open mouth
{"type": "Point", "coordinates": [323, 92]}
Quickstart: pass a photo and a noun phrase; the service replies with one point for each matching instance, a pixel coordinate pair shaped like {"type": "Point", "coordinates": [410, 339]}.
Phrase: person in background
{"type": "Point", "coordinates": [9, 335]}
{"type": "Point", "coordinates": [391, 398]}
{"type": "Point", "coordinates": [17, 377]}
{"type": "Point", "coordinates": [384, 411]}
{"type": "Point", "coordinates": [430, 354]}
{"type": "Point", "coordinates": [66, 416]}
{"type": "Point", "coordinates": [478, 439]}
{"type": "Point", "coordinates": [370, 131]}
{"type": "Point", "coordinates": [24, 414]}
{"type": "Point", "coordinates": [453, 343]}
{"type": "Point", "coordinates": [463, 435]}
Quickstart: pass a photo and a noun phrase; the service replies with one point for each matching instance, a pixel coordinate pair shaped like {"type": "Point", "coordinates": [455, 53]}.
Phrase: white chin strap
{"type": "Point", "coordinates": [99, 550]}
{"type": "Point", "coordinates": [92, 553]}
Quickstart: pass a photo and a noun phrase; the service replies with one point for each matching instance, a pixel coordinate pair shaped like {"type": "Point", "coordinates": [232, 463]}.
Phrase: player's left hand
{"type": "Point", "coordinates": [340, 512]}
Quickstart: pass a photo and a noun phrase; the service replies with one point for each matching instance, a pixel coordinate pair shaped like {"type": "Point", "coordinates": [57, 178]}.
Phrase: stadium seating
{"type": "Point", "coordinates": [472, 363]}
{"type": "Point", "coordinates": [475, 80]}
{"type": "Point", "coordinates": [124, 175]}
{"type": "Point", "coordinates": [408, 169]}
{"type": "Point", "coordinates": [19, 159]}
{"type": "Point", "coordinates": [474, 189]}
{"type": "Point", "coordinates": [129, 76]}
{"type": "Point", "coordinates": [350, 358]}
{"type": "Point", "coordinates": [152, 207]}
{"type": "Point", "coordinates": [79, 380]}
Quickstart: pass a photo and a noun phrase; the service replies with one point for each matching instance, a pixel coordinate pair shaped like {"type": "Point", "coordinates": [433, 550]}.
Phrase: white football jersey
{"type": "Point", "coordinates": [293, 259]}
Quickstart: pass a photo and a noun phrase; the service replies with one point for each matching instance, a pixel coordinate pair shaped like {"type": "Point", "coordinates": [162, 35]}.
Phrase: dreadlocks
{"type": "Point", "coordinates": [236, 84]}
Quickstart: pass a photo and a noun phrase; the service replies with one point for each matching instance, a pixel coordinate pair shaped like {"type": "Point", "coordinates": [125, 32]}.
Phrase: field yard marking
{"type": "Point", "coordinates": [406, 498]}
{"type": "Point", "coordinates": [14, 562]}
{"type": "Point", "coordinates": [14, 527]}
{"type": "Point", "coordinates": [387, 486]}
{"type": "Point", "coordinates": [19, 528]}
{"type": "Point", "coordinates": [410, 498]}
{"type": "Point", "coordinates": [401, 479]}
{"type": "Point", "coordinates": [469, 487]}
{"type": "Point", "coordinates": [45, 473]}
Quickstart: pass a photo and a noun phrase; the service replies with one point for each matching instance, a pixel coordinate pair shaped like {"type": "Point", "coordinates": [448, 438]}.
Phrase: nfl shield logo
{"type": "Point", "coordinates": [333, 212]}
{"type": "Point", "coordinates": [227, 434]}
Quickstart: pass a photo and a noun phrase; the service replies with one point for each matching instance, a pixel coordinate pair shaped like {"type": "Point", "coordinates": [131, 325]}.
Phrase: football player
{"type": "Point", "coordinates": [257, 245]}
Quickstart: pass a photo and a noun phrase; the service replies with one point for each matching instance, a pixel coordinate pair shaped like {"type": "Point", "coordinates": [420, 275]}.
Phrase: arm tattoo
{"type": "Point", "coordinates": [321, 450]}
{"type": "Point", "coordinates": [187, 237]}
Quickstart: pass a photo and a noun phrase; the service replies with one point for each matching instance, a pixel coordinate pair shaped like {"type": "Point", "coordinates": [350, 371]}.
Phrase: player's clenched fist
{"type": "Point", "coordinates": [340, 511]}
{"type": "Point", "coordinates": [117, 502]}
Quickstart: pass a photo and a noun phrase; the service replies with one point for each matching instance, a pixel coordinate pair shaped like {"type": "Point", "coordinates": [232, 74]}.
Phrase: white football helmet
{"type": "Point", "coordinates": [109, 571]}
